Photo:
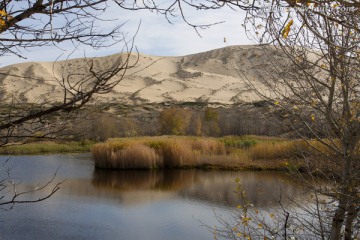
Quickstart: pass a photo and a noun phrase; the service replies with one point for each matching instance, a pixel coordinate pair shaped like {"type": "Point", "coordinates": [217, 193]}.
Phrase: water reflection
{"type": "Point", "coordinates": [103, 204]}
{"type": "Point", "coordinates": [134, 187]}
{"type": "Point", "coordinates": [131, 180]}
{"type": "Point", "coordinates": [213, 187]}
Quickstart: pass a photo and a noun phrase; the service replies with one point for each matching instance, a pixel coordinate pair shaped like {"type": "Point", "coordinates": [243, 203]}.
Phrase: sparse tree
{"type": "Point", "coordinates": [104, 127]}
{"type": "Point", "coordinates": [11, 195]}
{"type": "Point", "coordinates": [174, 121]}
{"type": "Point", "coordinates": [196, 124]}
{"type": "Point", "coordinates": [30, 24]}
{"type": "Point", "coordinates": [311, 77]}
{"type": "Point", "coordinates": [211, 122]}
{"type": "Point", "coordinates": [25, 25]}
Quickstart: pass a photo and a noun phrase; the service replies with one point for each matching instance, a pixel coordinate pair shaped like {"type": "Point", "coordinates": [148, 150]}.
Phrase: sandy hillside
{"type": "Point", "coordinates": [214, 76]}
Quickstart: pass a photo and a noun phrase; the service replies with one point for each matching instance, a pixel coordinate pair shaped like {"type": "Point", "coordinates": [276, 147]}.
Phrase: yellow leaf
{"type": "Point", "coordinates": [287, 28]}
{"type": "Point", "coordinates": [313, 117]}
{"type": "Point", "coordinates": [3, 18]}
{"type": "Point", "coordinates": [277, 103]}
{"type": "Point", "coordinates": [245, 221]}
{"type": "Point", "coordinates": [3, 13]}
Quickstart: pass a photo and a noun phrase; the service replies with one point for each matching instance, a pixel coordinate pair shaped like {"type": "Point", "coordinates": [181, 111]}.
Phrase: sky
{"type": "Point", "coordinates": [156, 36]}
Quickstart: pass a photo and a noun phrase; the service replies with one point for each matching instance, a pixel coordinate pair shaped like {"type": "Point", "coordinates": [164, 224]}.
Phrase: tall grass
{"type": "Point", "coordinates": [177, 153]}
{"type": "Point", "coordinates": [169, 152]}
{"type": "Point", "coordinates": [155, 152]}
{"type": "Point", "coordinates": [134, 156]}
{"type": "Point", "coordinates": [46, 148]}
{"type": "Point", "coordinates": [272, 150]}
{"type": "Point", "coordinates": [209, 146]}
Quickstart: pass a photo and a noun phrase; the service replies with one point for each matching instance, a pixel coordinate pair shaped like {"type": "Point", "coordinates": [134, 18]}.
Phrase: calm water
{"type": "Point", "coordinates": [102, 204]}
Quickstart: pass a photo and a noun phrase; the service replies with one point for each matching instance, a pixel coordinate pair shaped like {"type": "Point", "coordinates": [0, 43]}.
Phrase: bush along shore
{"type": "Point", "coordinates": [251, 152]}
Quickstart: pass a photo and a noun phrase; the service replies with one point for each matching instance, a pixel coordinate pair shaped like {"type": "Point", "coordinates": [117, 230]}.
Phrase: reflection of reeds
{"type": "Point", "coordinates": [262, 189]}
{"type": "Point", "coordinates": [168, 152]}
{"type": "Point", "coordinates": [217, 187]}
{"type": "Point", "coordinates": [135, 180]}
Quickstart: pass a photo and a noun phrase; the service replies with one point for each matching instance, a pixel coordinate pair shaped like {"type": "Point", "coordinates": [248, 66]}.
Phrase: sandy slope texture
{"type": "Point", "coordinates": [217, 76]}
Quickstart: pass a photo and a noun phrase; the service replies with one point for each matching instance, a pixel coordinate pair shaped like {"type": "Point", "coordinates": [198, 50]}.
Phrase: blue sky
{"type": "Point", "coordinates": [156, 36]}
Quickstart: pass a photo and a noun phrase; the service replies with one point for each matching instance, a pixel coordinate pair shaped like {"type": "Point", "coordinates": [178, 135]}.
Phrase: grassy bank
{"type": "Point", "coordinates": [46, 148]}
{"type": "Point", "coordinates": [249, 152]}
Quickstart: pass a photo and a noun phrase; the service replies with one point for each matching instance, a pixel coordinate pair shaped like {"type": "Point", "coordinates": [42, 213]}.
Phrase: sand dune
{"type": "Point", "coordinates": [212, 76]}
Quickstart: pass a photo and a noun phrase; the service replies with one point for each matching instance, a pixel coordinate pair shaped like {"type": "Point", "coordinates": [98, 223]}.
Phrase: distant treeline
{"type": "Point", "coordinates": [98, 123]}
{"type": "Point", "coordinates": [178, 120]}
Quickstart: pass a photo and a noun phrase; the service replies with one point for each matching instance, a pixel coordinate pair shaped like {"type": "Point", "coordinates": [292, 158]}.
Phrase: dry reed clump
{"type": "Point", "coordinates": [224, 160]}
{"type": "Point", "coordinates": [272, 150]}
{"type": "Point", "coordinates": [137, 156]}
{"type": "Point", "coordinates": [134, 156]}
{"type": "Point", "coordinates": [316, 148]}
{"type": "Point", "coordinates": [178, 154]}
{"type": "Point", "coordinates": [102, 155]}
{"type": "Point", "coordinates": [209, 146]}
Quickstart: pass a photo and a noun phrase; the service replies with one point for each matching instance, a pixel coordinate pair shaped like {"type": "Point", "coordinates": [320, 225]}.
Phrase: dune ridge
{"type": "Point", "coordinates": [215, 76]}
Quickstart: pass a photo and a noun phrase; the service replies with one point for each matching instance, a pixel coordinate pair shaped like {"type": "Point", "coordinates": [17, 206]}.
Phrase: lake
{"type": "Point", "coordinates": [132, 204]}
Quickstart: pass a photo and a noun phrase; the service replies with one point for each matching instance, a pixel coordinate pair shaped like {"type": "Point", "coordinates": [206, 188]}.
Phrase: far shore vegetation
{"type": "Point", "coordinates": [249, 152]}
{"type": "Point", "coordinates": [243, 153]}
{"type": "Point", "coordinates": [46, 147]}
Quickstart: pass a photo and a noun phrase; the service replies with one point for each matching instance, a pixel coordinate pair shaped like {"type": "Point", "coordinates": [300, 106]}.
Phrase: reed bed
{"type": "Point", "coordinates": [272, 150]}
{"type": "Point", "coordinates": [132, 157]}
{"type": "Point", "coordinates": [178, 153]}
{"type": "Point", "coordinates": [184, 152]}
